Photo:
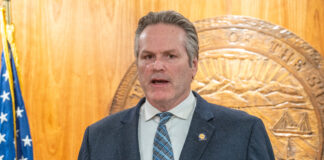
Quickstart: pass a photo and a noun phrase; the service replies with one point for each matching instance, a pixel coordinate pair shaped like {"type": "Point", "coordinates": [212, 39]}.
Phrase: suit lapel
{"type": "Point", "coordinates": [128, 146]}
{"type": "Point", "coordinates": [200, 131]}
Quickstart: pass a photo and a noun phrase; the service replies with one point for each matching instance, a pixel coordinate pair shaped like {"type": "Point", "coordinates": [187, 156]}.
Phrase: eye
{"type": "Point", "coordinates": [147, 57]}
{"type": "Point", "coordinates": [171, 56]}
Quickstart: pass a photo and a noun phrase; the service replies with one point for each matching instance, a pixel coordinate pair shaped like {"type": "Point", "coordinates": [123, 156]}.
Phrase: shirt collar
{"type": "Point", "coordinates": [182, 110]}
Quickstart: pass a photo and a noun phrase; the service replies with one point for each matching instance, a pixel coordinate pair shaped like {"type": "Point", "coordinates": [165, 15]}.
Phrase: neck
{"type": "Point", "coordinates": [167, 105]}
{"type": "Point", "coordinates": [163, 108]}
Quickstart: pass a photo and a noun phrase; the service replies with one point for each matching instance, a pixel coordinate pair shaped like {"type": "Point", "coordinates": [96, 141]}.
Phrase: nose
{"type": "Point", "coordinates": [158, 65]}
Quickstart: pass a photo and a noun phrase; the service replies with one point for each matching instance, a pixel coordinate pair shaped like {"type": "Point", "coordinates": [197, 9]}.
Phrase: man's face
{"type": "Point", "coordinates": [163, 65]}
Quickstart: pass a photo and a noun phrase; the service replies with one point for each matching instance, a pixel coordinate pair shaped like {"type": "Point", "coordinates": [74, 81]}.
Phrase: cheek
{"type": "Point", "coordinates": [183, 75]}
{"type": "Point", "coordinates": [143, 72]}
{"type": "Point", "coordinates": [144, 67]}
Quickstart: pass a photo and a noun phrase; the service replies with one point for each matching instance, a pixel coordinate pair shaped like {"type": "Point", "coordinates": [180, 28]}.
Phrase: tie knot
{"type": "Point", "coordinates": [164, 117]}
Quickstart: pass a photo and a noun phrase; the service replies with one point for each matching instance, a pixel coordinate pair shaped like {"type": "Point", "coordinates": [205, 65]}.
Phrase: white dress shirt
{"type": "Point", "coordinates": [177, 126]}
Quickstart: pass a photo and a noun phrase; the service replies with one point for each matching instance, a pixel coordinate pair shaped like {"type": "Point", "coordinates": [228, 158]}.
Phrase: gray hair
{"type": "Point", "coordinates": [175, 18]}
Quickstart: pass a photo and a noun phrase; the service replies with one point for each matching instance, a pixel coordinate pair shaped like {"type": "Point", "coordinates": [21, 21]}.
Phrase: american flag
{"type": "Point", "coordinates": [15, 139]}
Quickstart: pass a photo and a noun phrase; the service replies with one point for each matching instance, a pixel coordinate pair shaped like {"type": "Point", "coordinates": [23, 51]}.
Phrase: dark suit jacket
{"type": "Point", "coordinates": [230, 135]}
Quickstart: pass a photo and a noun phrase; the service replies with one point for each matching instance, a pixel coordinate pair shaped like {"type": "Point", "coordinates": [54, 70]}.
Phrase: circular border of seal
{"type": "Point", "coordinates": [311, 56]}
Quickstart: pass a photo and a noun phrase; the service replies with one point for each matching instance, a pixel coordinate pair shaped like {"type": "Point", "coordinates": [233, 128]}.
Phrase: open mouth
{"type": "Point", "coordinates": [159, 81]}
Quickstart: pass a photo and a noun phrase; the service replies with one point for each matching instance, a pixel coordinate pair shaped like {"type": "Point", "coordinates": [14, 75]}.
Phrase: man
{"type": "Point", "coordinates": [173, 122]}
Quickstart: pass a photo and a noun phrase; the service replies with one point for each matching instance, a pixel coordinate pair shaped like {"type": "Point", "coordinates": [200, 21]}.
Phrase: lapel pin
{"type": "Point", "coordinates": [202, 137]}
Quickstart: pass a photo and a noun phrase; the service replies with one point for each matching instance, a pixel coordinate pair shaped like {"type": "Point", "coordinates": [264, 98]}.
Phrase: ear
{"type": "Point", "coordinates": [194, 67]}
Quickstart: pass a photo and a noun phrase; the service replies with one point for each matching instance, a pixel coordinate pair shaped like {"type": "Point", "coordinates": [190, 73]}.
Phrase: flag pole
{"type": "Point", "coordinates": [7, 5]}
{"type": "Point", "coordinates": [9, 49]}
{"type": "Point", "coordinates": [8, 66]}
{"type": "Point", "coordinates": [10, 29]}
{"type": "Point", "coordinates": [4, 24]}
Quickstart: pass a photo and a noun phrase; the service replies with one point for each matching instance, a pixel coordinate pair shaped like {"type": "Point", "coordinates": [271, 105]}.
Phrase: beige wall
{"type": "Point", "coordinates": [73, 54]}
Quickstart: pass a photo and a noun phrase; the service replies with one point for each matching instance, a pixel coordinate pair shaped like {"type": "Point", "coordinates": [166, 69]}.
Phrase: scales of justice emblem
{"type": "Point", "coordinates": [260, 68]}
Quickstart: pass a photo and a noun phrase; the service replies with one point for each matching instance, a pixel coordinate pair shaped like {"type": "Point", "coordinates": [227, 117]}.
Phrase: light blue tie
{"type": "Point", "coordinates": [162, 148]}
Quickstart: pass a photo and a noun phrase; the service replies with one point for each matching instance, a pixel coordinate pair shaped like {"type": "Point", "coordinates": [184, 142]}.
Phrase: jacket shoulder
{"type": "Point", "coordinates": [220, 112]}
{"type": "Point", "coordinates": [230, 113]}
{"type": "Point", "coordinates": [113, 121]}
{"type": "Point", "coordinates": [228, 116]}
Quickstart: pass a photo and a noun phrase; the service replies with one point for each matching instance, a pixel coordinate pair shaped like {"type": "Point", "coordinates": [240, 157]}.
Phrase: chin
{"type": "Point", "coordinates": [159, 96]}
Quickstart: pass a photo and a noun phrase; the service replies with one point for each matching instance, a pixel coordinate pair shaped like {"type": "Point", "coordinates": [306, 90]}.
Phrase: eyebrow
{"type": "Point", "coordinates": [147, 52]}
{"type": "Point", "coordinates": [170, 51]}
{"type": "Point", "coordinates": [167, 51]}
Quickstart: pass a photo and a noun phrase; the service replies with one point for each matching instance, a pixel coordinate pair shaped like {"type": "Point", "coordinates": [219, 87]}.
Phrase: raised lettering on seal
{"type": "Point", "coordinates": [316, 84]}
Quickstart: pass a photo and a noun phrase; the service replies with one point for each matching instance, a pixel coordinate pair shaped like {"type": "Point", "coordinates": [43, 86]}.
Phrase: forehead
{"type": "Point", "coordinates": [161, 36]}
{"type": "Point", "coordinates": [162, 28]}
